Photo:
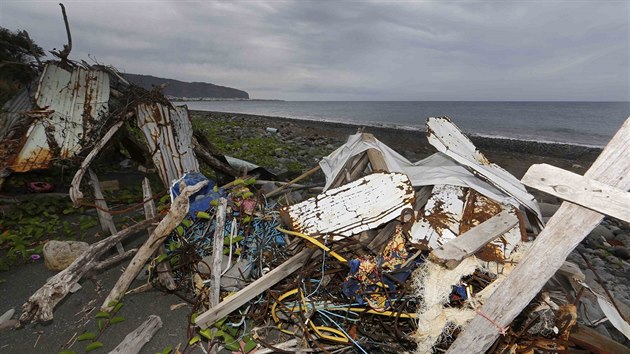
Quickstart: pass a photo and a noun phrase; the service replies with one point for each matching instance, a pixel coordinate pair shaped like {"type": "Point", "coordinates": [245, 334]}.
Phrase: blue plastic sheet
{"type": "Point", "coordinates": [201, 200]}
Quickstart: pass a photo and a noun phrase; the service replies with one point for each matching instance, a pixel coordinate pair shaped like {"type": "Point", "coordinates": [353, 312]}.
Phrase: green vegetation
{"type": "Point", "coordinates": [235, 138]}
{"type": "Point", "coordinates": [26, 226]}
{"type": "Point", "coordinates": [18, 62]}
{"type": "Point", "coordinates": [104, 319]}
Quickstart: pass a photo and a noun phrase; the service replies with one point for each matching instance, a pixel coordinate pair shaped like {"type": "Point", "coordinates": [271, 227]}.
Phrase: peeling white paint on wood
{"type": "Point", "coordinates": [352, 208]}
{"type": "Point", "coordinates": [440, 219]}
{"type": "Point", "coordinates": [168, 132]}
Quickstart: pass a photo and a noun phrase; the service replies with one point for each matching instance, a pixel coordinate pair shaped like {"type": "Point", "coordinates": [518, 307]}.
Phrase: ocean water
{"type": "Point", "coordinates": [578, 123]}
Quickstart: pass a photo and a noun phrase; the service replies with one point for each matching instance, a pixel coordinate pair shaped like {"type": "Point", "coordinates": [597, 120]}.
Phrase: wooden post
{"type": "Point", "coordinates": [104, 217]}
{"type": "Point", "coordinates": [179, 208]}
{"type": "Point", "coordinates": [217, 253]}
{"type": "Point", "coordinates": [565, 230]}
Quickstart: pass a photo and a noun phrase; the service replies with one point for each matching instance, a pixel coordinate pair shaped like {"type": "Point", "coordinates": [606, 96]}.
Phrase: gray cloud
{"type": "Point", "coordinates": [354, 50]}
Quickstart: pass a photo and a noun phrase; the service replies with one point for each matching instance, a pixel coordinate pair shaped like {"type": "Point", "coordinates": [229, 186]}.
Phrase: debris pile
{"type": "Point", "coordinates": [392, 256]}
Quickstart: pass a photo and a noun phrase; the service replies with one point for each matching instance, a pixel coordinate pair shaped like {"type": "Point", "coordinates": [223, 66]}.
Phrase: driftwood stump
{"type": "Point", "coordinates": [39, 307]}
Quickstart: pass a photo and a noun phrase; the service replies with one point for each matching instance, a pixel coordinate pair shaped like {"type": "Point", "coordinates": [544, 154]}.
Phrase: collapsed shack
{"type": "Point", "coordinates": [392, 256]}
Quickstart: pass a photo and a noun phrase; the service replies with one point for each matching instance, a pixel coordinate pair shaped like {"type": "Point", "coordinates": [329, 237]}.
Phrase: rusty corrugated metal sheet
{"type": "Point", "coordinates": [172, 154]}
{"type": "Point", "coordinates": [68, 105]}
{"type": "Point", "coordinates": [352, 208]}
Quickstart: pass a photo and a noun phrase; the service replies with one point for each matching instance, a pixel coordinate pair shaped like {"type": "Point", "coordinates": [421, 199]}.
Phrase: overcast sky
{"type": "Point", "coordinates": [359, 50]}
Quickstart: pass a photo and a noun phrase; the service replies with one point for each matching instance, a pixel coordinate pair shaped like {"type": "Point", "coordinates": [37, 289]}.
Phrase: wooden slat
{"type": "Point", "coordinates": [249, 292]}
{"type": "Point", "coordinates": [104, 217]}
{"type": "Point", "coordinates": [134, 341]}
{"type": "Point", "coordinates": [565, 230]}
{"type": "Point", "coordinates": [584, 191]}
{"type": "Point", "coordinates": [472, 241]}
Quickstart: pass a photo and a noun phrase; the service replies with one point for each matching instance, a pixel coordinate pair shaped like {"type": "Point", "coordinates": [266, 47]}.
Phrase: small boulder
{"type": "Point", "coordinates": [58, 255]}
{"type": "Point", "coordinates": [621, 252]}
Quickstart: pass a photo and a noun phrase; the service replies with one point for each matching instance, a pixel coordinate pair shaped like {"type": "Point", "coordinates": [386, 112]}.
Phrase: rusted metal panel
{"type": "Point", "coordinates": [478, 209]}
{"type": "Point", "coordinates": [68, 105]}
{"type": "Point", "coordinates": [168, 132]}
{"type": "Point", "coordinates": [352, 208]}
{"type": "Point", "coordinates": [449, 140]}
{"type": "Point", "coordinates": [451, 211]}
{"type": "Point", "coordinates": [440, 219]}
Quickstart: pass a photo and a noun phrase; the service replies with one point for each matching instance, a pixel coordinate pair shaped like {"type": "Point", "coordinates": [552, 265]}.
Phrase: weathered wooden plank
{"type": "Point", "coordinates": [349, 209]}
{"type": "Point", "coordinates": [565, 230]}
{"type": "Point", "coordinates": [472, 241]}
{"type": "Point", "coordinates": [135, 340]}
{"type": "Point", "coordinates": [249, 292]}
{"type": "Point", "coordinates": [584, 191]}
{"type": "Point", "coordinates": [104, 217]}
{"type": "Point", "coordinates": [217, 253]}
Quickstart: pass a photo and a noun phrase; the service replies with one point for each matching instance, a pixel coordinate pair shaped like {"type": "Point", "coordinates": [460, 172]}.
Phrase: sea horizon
{"type": "Point", "coordinates": [583, 123]}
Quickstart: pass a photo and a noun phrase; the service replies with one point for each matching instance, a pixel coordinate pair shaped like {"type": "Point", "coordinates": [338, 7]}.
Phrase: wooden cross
{"type": "Point", "coordinates": [603, 188]}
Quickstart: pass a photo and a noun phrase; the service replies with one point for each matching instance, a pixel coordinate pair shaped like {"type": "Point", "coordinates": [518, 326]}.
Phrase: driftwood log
{"type": "Point", "coordinates": [176, 214]}
{"type": "Point", "coordinates": [165, 274]}
{"type": "Point", "coordinates": [135, 340]}
{"type": "Point", "coordinates": [39, 307]}
{"type": "Point", "coordinates": [75, 192]}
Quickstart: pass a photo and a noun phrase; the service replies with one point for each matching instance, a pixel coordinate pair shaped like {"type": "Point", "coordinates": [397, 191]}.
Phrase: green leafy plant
{"type": "Point", "coordinates": [104, 320]}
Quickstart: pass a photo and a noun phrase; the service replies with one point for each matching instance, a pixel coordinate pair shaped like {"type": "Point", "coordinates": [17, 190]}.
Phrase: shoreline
{"type": "Point", "coordinates": [516, 156]}
{"type": "Point", "coordinates": [549, 148]}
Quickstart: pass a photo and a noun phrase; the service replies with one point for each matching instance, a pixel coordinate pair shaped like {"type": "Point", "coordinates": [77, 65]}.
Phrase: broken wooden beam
{"type": "Point", "coordinates": [135, 340]}
{"type": "Point", "coordinates": [254, 289]}
{"type": "Point", "coordinates": [565, 230]}
{"type": "Point", "coordinates": [297, 179]}
{"type": "Point", "coordinates": [466, 244]}
{"type": "Point", "coordinates": [75, 192]}
{"type": "Point", "coordinates": [350, 209]}
{"type": "Point", "coordinates": [577, 189]}
{"type": "Point", "coordinates": [597, 343]}
{"type": "Point", "coordinates": [176, 214]}
{"type": "Point", "coordinates": [39, 307]}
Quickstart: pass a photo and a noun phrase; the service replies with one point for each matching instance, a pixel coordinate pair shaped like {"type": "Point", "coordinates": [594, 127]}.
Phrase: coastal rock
{"type": "Point", "coordinates": [621, 252]}
{"type": "Point", "coordinates": [58, 255]}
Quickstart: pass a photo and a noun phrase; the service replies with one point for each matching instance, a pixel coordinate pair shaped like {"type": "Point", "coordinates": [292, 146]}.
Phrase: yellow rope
{"type": "Point", "coordinates": [313, 241]}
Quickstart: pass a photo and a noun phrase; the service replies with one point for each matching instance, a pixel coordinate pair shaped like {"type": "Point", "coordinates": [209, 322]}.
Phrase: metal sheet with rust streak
{"type": "Point", "coordinates": [168, 132]}
{"type": "Point", "coordinates": [451, 211]}
{"type": "Point", "coordinates": [69, 105]}
{"type": "Point", "coordinates": [448, 139]}
{"type": "Point", "coordinates": [352, 208]}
